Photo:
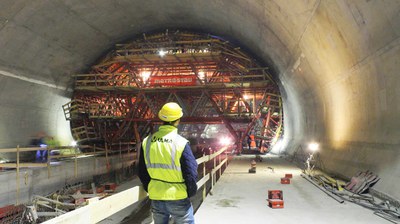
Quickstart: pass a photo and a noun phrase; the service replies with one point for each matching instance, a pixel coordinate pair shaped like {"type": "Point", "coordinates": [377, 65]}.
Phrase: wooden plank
{"type": "Point", "coordinates": [61, 156]}
{"type": "Point", "coordinates": [55, 201]}
{"type": "Point", "coordinates": [203, 159]}
{"type": "Point", "coordinates": [33, 165]}
{"type": "Point", "coordinates": [99, 210]}
{"type": "Point", "coordinates": [24, 165]}
{"type": "Point", "coordinates": [219, 166]}
{"type": "Point", "coordinates": [215, 154]}
{"type": "Point", "coordinates": [207, 158]}
{"type": "Point", "coordinates": [78, 155]}
{"type": "Point", "coordinates": [202, 181]}
{"type": "Point", "coordinates": [21, 149]}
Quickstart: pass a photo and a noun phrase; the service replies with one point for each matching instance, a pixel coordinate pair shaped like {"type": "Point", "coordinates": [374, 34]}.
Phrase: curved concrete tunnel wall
{"type": "Point", "coordinates": [337, 62]}
{"type": "Point", "coordinates": [29, 106]}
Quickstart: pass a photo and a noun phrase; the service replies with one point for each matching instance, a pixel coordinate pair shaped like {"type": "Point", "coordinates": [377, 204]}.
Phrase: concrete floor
{"type": "Point", "coordinates": [241, 197]}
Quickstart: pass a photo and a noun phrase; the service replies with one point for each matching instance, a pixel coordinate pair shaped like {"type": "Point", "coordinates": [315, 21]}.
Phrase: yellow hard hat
{"type": "Point", "coordinates": [170, 112]}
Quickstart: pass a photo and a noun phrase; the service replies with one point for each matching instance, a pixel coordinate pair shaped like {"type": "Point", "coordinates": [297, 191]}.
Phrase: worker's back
{"type": "Point", "coordinates": [162, 156]}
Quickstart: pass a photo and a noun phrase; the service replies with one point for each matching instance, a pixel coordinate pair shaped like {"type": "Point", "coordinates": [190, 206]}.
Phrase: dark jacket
{"type": "Point", "coordinates": [188, 167]}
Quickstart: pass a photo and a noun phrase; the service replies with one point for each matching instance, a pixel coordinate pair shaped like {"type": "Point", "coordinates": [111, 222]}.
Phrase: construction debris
{"type": "Point", "coordinates": [361, 182]}
{"type": "Point", "coordinates": [332, 182]}
{"type": "Point", "coordinates": [272, 169]}
{"type": "Point", "coordinates": [110, 187]}
{"type": "Point", "coordinates": [11, 214]}
{"type": "Point", "coordinates": [55, 204]}
{"type": "Point", "coordinates": [317, 183]}
{"type": "Point", "coordinates": [356, 192]}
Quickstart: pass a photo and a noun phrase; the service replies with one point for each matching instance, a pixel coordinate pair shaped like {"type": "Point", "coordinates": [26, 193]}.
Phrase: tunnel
{"type": "Point", "coordinates": [335, 64]}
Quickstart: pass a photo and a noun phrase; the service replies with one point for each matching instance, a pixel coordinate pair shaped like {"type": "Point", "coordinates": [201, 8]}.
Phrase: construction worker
{"type": "Point", "coordinates": [49, 143]}
{"type": "Point", "coordinates": [252, 142]}
{"type": "Point", "coordinates": [168, 169]}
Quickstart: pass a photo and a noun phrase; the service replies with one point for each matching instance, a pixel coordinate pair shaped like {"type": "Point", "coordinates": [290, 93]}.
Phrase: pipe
{"type": "Point", "coordinates": [54, 201]}
{"type": "Point", "coordinates": [330, 194]}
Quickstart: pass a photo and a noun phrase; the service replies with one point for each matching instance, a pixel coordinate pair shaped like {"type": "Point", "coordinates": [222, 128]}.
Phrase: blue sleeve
{"type": "Point", "coordinates": [189, 170]}
{"type": "Point", "coordinates": [143, 173]}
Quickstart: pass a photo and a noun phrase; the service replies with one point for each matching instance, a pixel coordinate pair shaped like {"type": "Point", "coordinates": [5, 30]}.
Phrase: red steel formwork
{"type": "Point", "coordinates": [213, 81]}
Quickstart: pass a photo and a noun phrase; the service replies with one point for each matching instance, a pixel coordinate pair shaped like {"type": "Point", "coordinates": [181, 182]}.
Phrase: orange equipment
{"type": "Point", "coordinates": [285, 180]}
{"type": "Point", "coordinates": [252, 141]}
{"type": "Point", "coordinates": [275, 203]}
{"type": "Point", "coordinates": [275, 199]}
{"type": "Point", "coordinates": [288, 175]}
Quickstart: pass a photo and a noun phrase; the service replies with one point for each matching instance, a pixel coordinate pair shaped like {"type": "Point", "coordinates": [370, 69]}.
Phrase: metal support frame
{"type": "Point", "coordinates": [207, 76]}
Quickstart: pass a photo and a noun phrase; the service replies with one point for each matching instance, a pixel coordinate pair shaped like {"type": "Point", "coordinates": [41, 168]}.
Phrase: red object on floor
{"type": "Point", "coordinates": [288, 175]}
{"type": "Point", "coordinates": [10, 213]}
{"type": "Point", "coordinates": [6, 209]}
{"type": "Point", "coordinates": [285, 180]}
{"type": "Point", "coordinates": [275, 203]}
{"type": "Point", "coordinates": [275, 194]}
{"type": "Point", "coordinates": [99, 189]}
{"type": "Point", "coordinates": [110, 187]}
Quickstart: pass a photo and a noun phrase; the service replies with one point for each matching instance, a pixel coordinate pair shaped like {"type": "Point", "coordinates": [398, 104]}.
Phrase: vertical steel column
{"type": "Point", "coordinates": [76, 165]}
{"type": "Point", "coordinates": [219, 162]}
{"type": "Point", "coordinates": [215, 173]}
{"type": "Point", "coordinates": [17, 175]}
{"type": "Point", "coordinates": [48, 163]}
{"type": "Point", "coordinates": [138, 142]}
{"type": "Point", "coordinates": [205, 185]}
{"type": "Point", "coordinates": [95, 159]}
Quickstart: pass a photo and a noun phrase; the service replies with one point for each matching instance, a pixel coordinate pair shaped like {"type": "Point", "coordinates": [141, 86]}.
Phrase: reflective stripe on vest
{"type": "Point", "coordinates": [172, 166]}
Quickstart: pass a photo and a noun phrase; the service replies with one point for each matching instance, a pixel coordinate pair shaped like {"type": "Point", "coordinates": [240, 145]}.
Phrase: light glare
{"type": "Point", "coordinates": [74, 143]}
{"type": "Point", "coordinates": [145, 75]}
{"type": "Point", "coordinates": [225, 141]}
{"type": "Point", "coordinates": [162, 53]}
{"type": "Point", "coordinates": [201, 75]}
{"type": "Point", "coordinates": [313, 146]}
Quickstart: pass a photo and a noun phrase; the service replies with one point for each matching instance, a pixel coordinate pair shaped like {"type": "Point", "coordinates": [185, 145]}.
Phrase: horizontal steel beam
{"type": "Point", "coordinates": [251, 85]}
{"type": "Point", "coordinates": [198, 120]}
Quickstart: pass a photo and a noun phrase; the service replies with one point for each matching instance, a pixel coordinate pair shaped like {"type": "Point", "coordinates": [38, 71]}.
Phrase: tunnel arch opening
{"type": "Point", "coordinates": [225, 93]}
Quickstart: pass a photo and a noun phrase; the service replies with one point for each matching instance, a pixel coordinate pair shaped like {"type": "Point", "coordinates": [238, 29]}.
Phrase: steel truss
{"type": "Point", "coordinates": [213, 81]}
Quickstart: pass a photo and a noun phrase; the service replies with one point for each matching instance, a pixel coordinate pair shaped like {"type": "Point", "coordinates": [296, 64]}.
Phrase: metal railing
{"type": "Point", "coordinates": [217, 167]}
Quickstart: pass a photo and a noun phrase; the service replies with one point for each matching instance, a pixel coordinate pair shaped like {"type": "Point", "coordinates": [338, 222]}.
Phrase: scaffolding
{"type": "Point", "coordinates": [214, 81]}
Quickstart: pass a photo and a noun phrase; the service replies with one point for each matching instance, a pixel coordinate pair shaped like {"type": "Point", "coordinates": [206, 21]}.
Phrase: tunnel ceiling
{"type": "Point", "coordinates": [65, 37]}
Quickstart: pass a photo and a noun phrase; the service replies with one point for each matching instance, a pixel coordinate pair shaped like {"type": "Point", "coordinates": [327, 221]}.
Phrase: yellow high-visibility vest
{"type": "Point", "coordinates": [162, 152]}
